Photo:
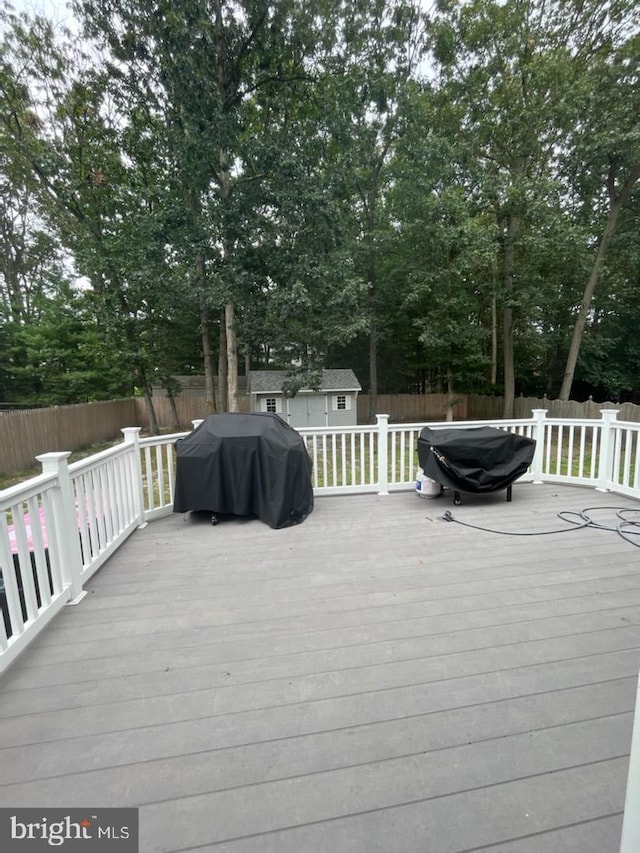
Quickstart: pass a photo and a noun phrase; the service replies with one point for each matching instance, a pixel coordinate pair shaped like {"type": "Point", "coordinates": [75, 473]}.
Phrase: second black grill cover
{"type": "Point", "coordinates": [245, 464]}
{"type": "Point", "coordinates": [474, 459]}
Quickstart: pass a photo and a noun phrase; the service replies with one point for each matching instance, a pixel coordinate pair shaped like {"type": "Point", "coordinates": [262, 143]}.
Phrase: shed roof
{"type": "Point", "coordinates": [266, 381]}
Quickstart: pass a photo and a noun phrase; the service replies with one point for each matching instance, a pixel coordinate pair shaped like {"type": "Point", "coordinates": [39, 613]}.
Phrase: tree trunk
{"type": "Point", "coordinates": [509, 364]}
{"type": "Point", "coordinates": [616, 203]}
{"type": "Point", "coordinates": [231, 343]}
{"type": "Point", "coordinates": [222, 366]}
{"type": "Point", "coordinates": [205, 332]}
{"type": "Point", "coordinates": [154, 429]}
{"type": "Point", "coordinates": [232, 357]}
{"type": "Point", "coordinates": [373, 326]}
{"type": "Point", "coordinates": [373, 370]}
{"type": "Point", "coordinates": [450, 397]}
{"type": "Point", "coordinates": [174, 409]}
{"type": "Point", "coordinates": [493, 379]}
{"type": "Point", "coordinates": [513, 229]}
{"type": "Point", "coordinates": [205, 317]}
{"type": "Point", "coordinates": [10, 269]}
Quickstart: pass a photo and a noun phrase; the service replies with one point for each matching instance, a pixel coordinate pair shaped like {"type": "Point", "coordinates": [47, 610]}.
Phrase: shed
{"type": "Point", "coordinates": [333, 403]}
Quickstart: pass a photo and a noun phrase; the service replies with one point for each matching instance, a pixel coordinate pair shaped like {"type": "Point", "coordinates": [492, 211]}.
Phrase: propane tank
{"type": "Point", "coordinates": [426, 487]}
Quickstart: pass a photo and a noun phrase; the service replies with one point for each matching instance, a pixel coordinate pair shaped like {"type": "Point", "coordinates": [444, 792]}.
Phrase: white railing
{"type": "Point", "coordinates": [57, 529]}
{"type": "Point", "coordinates": [156, 457]}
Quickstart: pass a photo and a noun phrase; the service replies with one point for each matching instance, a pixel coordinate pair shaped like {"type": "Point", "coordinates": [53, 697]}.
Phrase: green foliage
{"type": "Point", "coordinates": [288, 160]}
{"type": "Point", "coordinates": [61, 356]}
{"type": "Point", "coordinates": [445, 252]}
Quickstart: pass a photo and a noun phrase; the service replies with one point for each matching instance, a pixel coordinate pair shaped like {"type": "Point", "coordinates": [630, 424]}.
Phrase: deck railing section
{"type": "Point", "coordinates": [156, 457]}
{"type": "Point", "coordinates": [107, 500]}
{"type": "Point", "coordinates": [57, 529]}
{"type": "Point", "coordinates": [625, 471]}
{"type": "Point", "coordinates": [402, 446]}
{"type": "Point", "coordinates": [343, 459]}
{"type": "Point", "coordinates": [33, 587]}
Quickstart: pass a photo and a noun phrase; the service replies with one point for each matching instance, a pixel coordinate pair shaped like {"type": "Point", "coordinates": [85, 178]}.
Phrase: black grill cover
{"type": "Point", "coordinates": [241, 464]}
{"type": "Point", "coordinates": [475, 459]}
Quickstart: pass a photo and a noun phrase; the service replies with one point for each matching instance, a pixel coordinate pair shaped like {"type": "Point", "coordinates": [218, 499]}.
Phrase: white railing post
{"type": "Point", "coordinates": [65, 519]}
{"type": "Point", "coordinates": [630, 841]}
{"type": "Point", "coordinates": [382, 423]}
{"type": "Point", "coordinates": [196, 423]}
{"type": "Point", "coordinates": [132, 437]}
{"type": "Point", "coordinates": [539, 417]}
{"type": "Point", "coordinates": [605, 459]}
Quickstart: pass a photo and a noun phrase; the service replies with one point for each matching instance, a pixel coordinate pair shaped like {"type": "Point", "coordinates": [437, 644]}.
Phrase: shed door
{"type": "Point", "coordinates": [308, 410]}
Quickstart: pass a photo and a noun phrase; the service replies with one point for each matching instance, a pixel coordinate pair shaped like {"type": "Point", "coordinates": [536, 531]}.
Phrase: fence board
{"type": "Point", "coordinates": [26, 433]}
{"type": "Point", "coordinates": [412, 408]}
{"type": "Point", "coordinates": [481, 407]}
{"type": "Point", "coordinates": [190, 407]}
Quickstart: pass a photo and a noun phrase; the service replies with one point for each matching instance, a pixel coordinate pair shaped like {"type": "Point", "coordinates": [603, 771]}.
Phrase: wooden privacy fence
{"type": "Point", "coordinates": [410, 408]}
{"type": "Point", "coordinates": [481, 407]}
{"type": "Point", "coordinates": [190, 407]}
{"type": "Point", "coordinates": [25, 434]}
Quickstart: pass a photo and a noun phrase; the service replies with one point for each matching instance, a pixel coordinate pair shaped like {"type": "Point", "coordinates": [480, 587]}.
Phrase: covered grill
{"type": "Point", "coordinates": [474, 459]}
{"type": "Point", "coordinates": [247, 465]}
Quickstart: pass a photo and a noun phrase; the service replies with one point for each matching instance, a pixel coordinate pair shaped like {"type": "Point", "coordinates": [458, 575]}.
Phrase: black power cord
{"type": "Point", "coordinates": [579, 519]}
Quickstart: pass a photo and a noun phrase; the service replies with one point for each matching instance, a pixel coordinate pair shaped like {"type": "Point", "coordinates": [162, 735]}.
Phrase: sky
{"type": "Point", "coordinates": [41, 7]}
{"type": "Point", "coordinates": [55, 10]}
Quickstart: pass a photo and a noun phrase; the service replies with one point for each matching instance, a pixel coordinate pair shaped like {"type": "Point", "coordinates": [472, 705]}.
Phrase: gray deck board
{"type": "Point", "coordinates": [375, 679]}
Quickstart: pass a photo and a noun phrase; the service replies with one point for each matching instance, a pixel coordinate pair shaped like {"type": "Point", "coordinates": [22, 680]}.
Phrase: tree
{"type": "Point", "coordinates": [98, 186]}
{"type": "Point", "coordinates": [198, 70]}
{"type": "Point", "coordinates": [276, 177]}
{"type": "Point", "coordinates": [68, 355]}
{"type": "Point", "coordinates": [371, 72]}
{"type": "Point", "coordinates": [444, 252]}
{"type": "Point", "coordinates": [604, 158]}
{"type": "Point", "coordinates": [30, 254]}
{"type": "Point", "coordinates": [514, 67]}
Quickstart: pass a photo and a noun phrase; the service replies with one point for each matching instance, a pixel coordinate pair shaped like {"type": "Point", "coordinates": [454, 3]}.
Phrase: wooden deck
{"type": "Point", "coordinates": [374, 680]}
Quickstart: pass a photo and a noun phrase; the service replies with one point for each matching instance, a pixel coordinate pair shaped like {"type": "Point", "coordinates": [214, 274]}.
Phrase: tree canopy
{"type": "Point", "coordinates": [442, 200]}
